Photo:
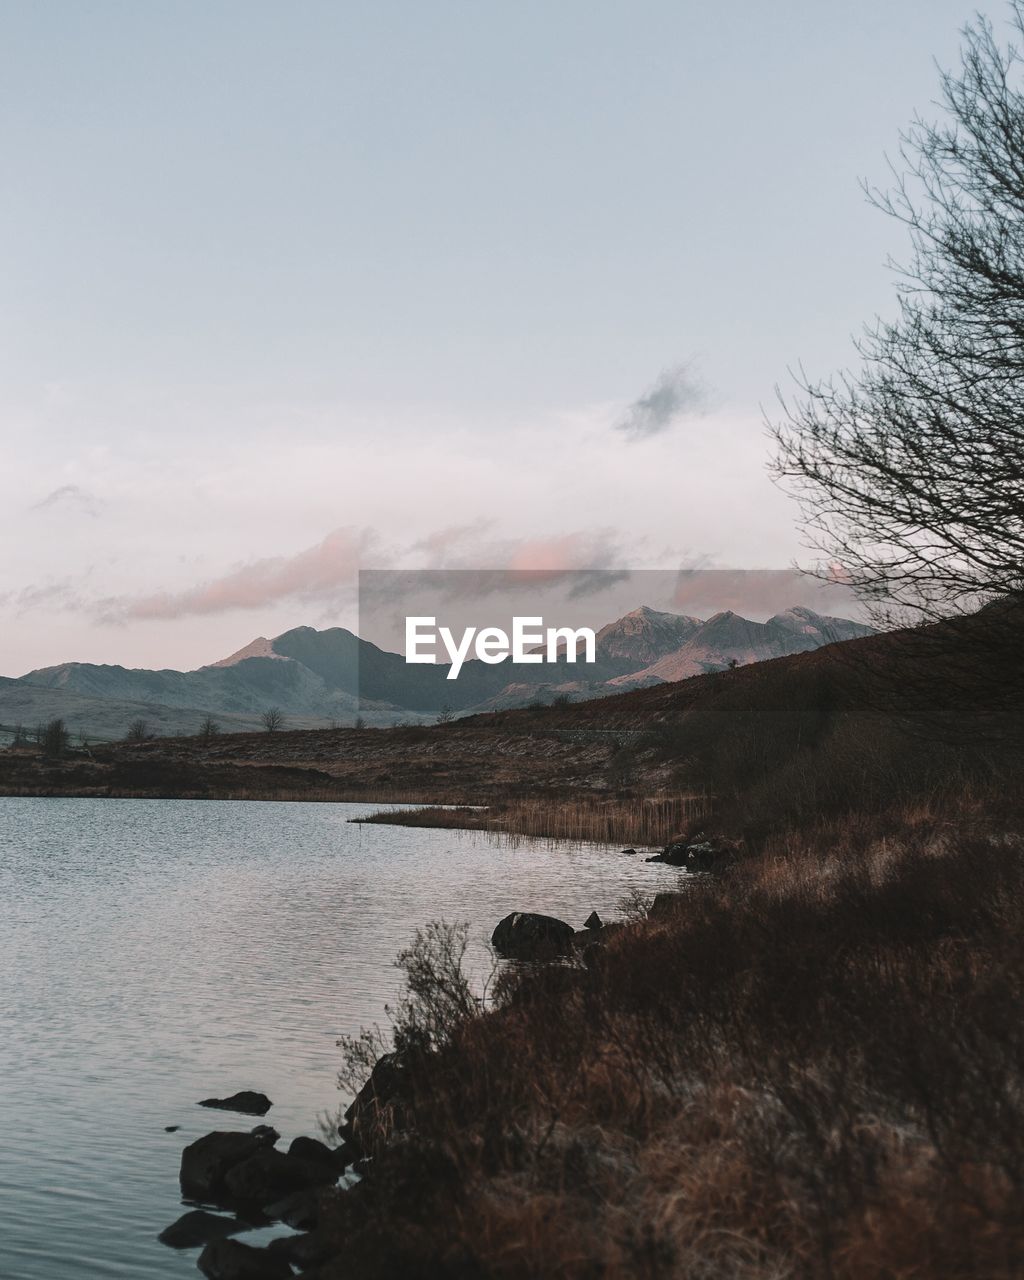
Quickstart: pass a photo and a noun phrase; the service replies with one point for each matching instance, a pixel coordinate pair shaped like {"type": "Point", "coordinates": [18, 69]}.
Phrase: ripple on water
{"type": "Point", "coordinates": [157, 952]}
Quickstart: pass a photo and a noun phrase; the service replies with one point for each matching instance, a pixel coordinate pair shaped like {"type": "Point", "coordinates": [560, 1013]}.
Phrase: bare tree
{"type": "Point", "coordinates": [209, 728]}
{"type": "Point", "coordinates": [446, 715]}
{"type": "Point", "coordinates": [272, 719]}
{"type": "Point", "coordinates": [56, 739]}
{"type": "Point", "coordinates": [910, 471]}
{"type": "Point", "coordinates": [138, 731]}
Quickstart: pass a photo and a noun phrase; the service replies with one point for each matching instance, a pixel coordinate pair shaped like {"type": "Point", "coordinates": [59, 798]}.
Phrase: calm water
{"type": "Point", "coordinates": [153, 953]}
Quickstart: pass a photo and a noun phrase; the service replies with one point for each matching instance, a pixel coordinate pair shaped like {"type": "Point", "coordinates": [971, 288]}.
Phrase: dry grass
{"type": "Point", "coordinates": [637, 820]}
{"type": "Point", "coordinates": [813, 1068]}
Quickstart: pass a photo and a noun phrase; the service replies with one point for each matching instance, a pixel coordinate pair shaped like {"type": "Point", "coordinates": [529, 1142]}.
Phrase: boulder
{"type": "Point", "coordinates": [247, 1102]}
{"type": "Point", "coordinates": [266, 1133]}
{"type": "Point", "coordinates": [629, 853]}
{"type": "Point", "coordinates": [300, 1210]}
{"type": "Point", "coordinates": [232, 1260]}
{"type": "Point", "coordinates": [383, 1091]}
{"type": "Point", "coordinates": [199, 1227]}
{"type": "Point", "coordinates": [312, 1149]}
{"type": "Point", "coordinates": [593, 921]}
{"type": "Point", "coordinates": [206, 1162]}
{"type": "Point", "coordinates": [703, 854]}
{"type": "Point", "coordinates": [524, 935]}
{"type": "Point", "coordinates": [270, 1175]}
{"type": "Point", "coordinates": [303, 1251]}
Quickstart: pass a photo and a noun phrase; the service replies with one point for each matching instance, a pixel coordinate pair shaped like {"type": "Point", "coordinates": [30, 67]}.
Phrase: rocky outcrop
{"type": "Point", "coordinates": [247, 1102]}
{"type": "Point", "coordinates": [206, 1163]}
{"type": "Point", "coordinates": [525, 935]}
{"type": "Point", "coordinates": [702, 854]}
{"type": "Point", "coordinates": [270, 1175]}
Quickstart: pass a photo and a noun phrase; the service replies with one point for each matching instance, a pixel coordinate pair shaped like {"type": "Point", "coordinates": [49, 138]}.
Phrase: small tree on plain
{"type": "Point", "coordinates": [446, 716]}
{"type": "Point", "coordinates": [272, 719]}
{"type": "Point", "coordinates": [209, 729]}
{"type": "Point", "coordinates": [56, 739]}
{"type": "Point", "coordinates": [138, 731]}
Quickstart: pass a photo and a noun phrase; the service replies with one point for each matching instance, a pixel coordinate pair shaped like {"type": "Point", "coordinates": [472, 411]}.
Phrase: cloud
{"type": "Point", "coordinates": [318, 573]}
{"type": "Point", "coordinates": [677, 394]}
{"type": "Point", "coordinates": [69, 496]}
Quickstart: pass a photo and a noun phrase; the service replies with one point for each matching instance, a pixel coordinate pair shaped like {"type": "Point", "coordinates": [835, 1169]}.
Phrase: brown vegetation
{"type": "Point", "coordinates": [814, 1067]}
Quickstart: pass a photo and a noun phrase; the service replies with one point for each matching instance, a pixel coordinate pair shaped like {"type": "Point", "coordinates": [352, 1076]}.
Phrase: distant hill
{"type": "Point", "coordinates": [318, 678]}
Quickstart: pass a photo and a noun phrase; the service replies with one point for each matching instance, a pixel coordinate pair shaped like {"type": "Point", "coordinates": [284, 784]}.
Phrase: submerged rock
{"type": "Point", "coordinates": [593, 921]}
{"type": "Point", "coordinates": [199, 1227]}
{"type": "Point", "coordinates": [248, 1102]}
{"type": "Point", "coordinates": [525, 935]}
{"type": "Point", "coordinates": [206, 1162]}
{"type": "Point", "coordinates": [232, 1260]}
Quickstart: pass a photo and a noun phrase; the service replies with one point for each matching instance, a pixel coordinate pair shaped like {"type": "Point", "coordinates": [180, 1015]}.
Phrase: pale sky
{"type": "Point", "coordinates": [291, 289]}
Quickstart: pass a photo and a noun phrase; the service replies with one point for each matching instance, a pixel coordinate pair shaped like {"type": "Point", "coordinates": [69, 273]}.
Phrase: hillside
{"type": "Point", "coordinates": [329, 677]}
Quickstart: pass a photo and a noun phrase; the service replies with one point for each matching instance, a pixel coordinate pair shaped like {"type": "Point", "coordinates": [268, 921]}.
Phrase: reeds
{"type": "Point", "coordinates": [628, 820]}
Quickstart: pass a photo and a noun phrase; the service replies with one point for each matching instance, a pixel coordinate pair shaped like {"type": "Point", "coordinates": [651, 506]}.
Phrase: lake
{"type": "Point", "coordinates": [155, 952]}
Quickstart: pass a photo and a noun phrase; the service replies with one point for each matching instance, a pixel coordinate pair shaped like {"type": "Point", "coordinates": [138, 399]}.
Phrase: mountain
{"type": "Point", "coordinates": [727, 638]}
{"type": "Point", "coordinates": [645, 635]}
{"type": "Point", "coordinates": [317, 678]}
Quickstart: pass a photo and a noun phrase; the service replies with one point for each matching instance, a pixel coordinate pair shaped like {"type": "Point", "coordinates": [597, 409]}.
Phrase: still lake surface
{"type": "Point", "coordinates": [155, 952]}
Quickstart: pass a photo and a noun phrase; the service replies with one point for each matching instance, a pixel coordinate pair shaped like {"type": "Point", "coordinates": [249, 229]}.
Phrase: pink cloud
{"type": "Point", "coordinates": [313, 574]}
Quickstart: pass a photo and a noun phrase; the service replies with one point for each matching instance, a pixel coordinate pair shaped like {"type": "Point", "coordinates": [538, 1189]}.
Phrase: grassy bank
{"type": "Point", "coordinates": [812, 1068]}
{"type": "Point", "coordinates": [629, 820]}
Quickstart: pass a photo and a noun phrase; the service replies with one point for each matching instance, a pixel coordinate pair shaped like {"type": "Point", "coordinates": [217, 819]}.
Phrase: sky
{"type": "Point", "coordinates": [291, 290]}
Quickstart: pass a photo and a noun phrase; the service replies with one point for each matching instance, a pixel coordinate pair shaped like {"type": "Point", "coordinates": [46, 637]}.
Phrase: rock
{"type": "Point", "coordinates": [629, 853]}
{"type": "Point", "coordinates": [383, 1091]}
{"type": "Point", "coordinates": [314, 1150]}
{"type": "Point", "coordinates": [247, 1102]}
{"type": "Point", "coordinates": [232, 1260]}
{"type": "Point", "coordinates": [344, 1154]}
{"type": "Point", "coordinates": [524, 935]}
{"type": "Point", "coordinates": [704, 854]}
{"type": "Point", "coordinates": [266, 1133]}
{"type": "Point", "coordinates": [199, 1227]}
{"type": "Point", "coordinates": [271, 1175]}
{"type": "Point", "coordinates": [303, 1251]}
{"type": "Point", "coordinates": [206, 1162]}
{"type": "Point", "coordinates": [593, 921]}
{"type": "Point", "coordinates": [300, 1210]}
{"type": "Point", "coordinates": [171, 1128]}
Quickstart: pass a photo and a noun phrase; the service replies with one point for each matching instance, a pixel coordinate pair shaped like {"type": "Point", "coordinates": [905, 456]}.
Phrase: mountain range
{"type": "Point", "coordinates": [319, 678]}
